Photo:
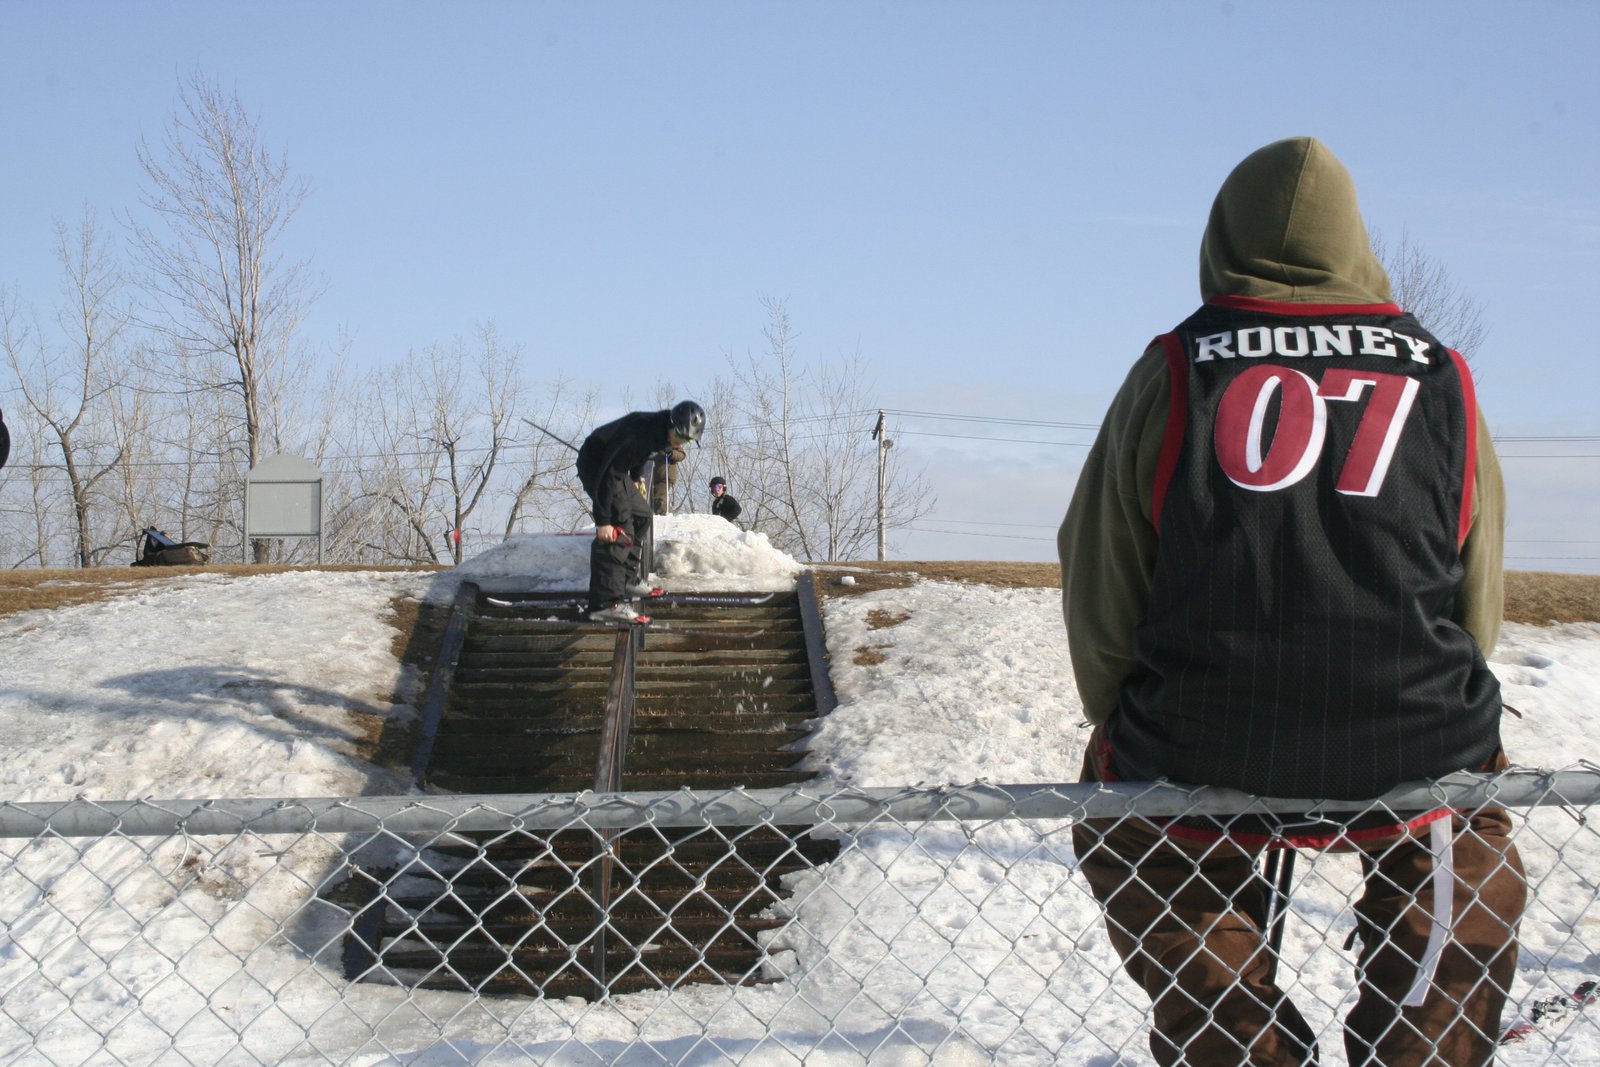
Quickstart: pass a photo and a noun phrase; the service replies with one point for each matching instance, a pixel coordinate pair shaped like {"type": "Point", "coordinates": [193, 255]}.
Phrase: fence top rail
{"type": "Point", "coordinates": [830, 805]}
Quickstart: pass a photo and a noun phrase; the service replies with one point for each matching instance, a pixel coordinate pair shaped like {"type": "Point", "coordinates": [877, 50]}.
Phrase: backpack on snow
{"type": "Point", "coordinates": [159, 550]}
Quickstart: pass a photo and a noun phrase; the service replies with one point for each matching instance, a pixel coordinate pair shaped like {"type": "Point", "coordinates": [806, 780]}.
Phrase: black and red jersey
{"type": "Point", "coordinates": [1311, 499]}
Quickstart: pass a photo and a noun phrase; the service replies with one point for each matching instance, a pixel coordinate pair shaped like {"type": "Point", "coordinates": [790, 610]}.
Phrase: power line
{"type": "Point", "coordinates": [1546, 541]}
{"type": "Point", "coordinates": [979, 533]}
{"type": "Point", "coordinates": [1007, 525]}
{"type": "Point", "coordinates": [993, 419]}
{"type": "Point", "coordinates": [837, 416]}
{"type": "Point", "coordinates": [980, 437]}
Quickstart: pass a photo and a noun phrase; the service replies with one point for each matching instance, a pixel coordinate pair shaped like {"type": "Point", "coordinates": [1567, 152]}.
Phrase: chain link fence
{"type": "Point", "coordinates": [909, 926]}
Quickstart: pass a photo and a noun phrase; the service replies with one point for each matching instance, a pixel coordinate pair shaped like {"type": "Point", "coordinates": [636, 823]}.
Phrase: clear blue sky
{"type": "Point", "coordinates": [997, 203]}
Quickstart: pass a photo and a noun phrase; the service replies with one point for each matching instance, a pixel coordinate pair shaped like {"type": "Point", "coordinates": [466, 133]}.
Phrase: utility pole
{"type": "Point", "coordinates": [879, 433]}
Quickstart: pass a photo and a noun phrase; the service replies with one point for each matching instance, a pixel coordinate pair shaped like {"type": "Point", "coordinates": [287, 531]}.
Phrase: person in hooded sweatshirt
{"type": "Point", "coordinates": [1281, 573]}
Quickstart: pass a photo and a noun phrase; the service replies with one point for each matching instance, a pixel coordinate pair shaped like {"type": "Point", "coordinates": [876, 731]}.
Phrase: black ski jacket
{"type": "Point", "coordinates": [612, 453]}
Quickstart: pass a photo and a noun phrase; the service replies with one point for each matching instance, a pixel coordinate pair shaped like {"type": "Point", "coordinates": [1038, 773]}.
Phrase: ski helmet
{"type": "Point", "coordinates": [719, 480]}
{"type": "Point", "coordinates": [688, 420]}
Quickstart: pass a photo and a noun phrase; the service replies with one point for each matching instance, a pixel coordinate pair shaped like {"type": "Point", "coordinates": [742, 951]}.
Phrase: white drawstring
{"type": "Point", "coordinates": [1444, 893]}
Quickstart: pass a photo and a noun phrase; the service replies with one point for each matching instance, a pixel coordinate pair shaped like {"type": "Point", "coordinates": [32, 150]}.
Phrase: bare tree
{"type": "Point", "coordinates": [547, 491]}
{"type": "Point", "coordinates": [326, 438]}
{"type": "Point", "coordinates": [220, 293]}
{"type": "Point", "coordinates": [139, 484]}
{"type": "Point", "coordinates": [68, 385]}
{"type": "Point", "coordinates": [759, 443]}
{"type": "Point", "coordinates": [474, 437]}
{"type": "Point", "coordinates": [29, 507]}
{"type": "Point", "coordinates": [800, 447]}
{"type": "Point", "coordinates": [440, 426]}
{"type": "Point", "coordinates": [1423, 287]}
{"type": "Point", "coordinates": [397, 468]}
{"type": "Point", "coordinates": [198, 430]}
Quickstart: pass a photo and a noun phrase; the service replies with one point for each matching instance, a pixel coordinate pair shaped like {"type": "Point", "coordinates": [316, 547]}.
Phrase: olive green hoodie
{"type": "Point", "coordinates": [1285, 227]}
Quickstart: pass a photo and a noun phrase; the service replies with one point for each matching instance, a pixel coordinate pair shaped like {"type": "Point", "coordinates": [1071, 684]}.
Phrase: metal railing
{"type": "Point", "coordinates": [952, 926]}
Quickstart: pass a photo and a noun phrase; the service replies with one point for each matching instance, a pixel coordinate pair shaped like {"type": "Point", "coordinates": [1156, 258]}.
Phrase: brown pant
{"type": "Point", "coordinates": [1188, 919]}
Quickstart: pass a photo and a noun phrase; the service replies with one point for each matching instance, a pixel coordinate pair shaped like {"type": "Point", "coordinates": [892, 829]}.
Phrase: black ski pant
{"type": "Point", "coordinates": [613, 564]}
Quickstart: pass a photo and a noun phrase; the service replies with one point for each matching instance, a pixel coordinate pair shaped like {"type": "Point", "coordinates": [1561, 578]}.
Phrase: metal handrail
{"type": "Point", "coordinates": [609, 766]}
{"type": "Point", "coordinates": [806, 595]}
{"type": "Point", "coordinates": [444, 674]}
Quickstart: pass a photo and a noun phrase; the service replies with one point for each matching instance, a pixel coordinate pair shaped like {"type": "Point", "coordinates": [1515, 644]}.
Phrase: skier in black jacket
{"type": "Point", "coordinates": [5, 440]}
{"type": "Point", "coordinates": [722, 502]}
{"type": "Point", "coordinates": [622, 517]}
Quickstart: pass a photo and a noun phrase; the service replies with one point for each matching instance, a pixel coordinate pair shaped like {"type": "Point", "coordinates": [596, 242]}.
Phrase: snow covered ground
{"type": "Point", "coordinates": [979, 940]}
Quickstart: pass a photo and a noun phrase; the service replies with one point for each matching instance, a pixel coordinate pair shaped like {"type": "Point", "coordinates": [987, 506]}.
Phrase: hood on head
{"type": "Point", "coordinates": [1285, 226]}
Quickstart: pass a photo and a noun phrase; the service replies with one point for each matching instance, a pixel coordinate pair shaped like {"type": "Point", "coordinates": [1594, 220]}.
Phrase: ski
{"type": "Point", "coordinates": [543, 603]}
{"type": "Point", "coordinates": [643, 624]}
{"type": "Point", "coordinates": [728, 599]}
{"type": "Point", "coordinates": [669, 599]}
{"type": "Point", "coordinates": [1547, 1010]}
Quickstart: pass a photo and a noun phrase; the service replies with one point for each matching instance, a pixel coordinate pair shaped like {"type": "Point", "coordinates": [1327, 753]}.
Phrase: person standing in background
{"type": "Point", "coordinates": [722, 504]}
{"type": "Point", "coordinates": [662, 479]}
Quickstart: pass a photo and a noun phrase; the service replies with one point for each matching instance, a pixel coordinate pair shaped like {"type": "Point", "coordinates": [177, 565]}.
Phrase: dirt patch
{"type": "Point", "coordinates": [870, 577]}
{"type": "Point", "coordinates": [878, 619]}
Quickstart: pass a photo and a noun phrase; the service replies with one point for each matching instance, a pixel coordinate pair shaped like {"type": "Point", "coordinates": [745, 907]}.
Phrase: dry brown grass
{"type": "Point", "coordinates": [1540, 598]}
{"type": "Point", "coordinates": [1535, 597]}
{"type": "Point", "coordinates": [870, 577]}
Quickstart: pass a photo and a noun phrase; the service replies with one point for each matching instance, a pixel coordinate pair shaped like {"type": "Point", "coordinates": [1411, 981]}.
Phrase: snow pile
{"type": "Point", "coordinates": [693, 552]}
{"type": "Point", "coordinates": [945, 683]}
{"type": "Point", "coordinates": [203, 685]}
{"type": "Point", "coordinates": [545, 561]}
{"type": "Point", "coordinates": [709, 553]}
